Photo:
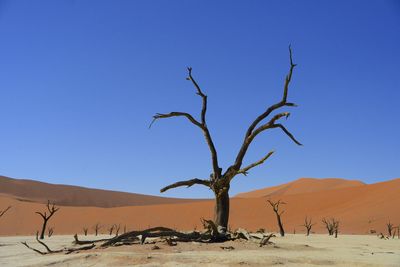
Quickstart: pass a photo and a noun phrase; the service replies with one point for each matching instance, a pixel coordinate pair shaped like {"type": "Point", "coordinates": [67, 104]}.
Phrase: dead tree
{"type": "Point", "coordinates": [51, 209]}
{"type": "Point", "coordinates": [275, 208]}
{"type": "Point", "coordinates": [336, 228]}
{"type": "Point", "coordinates": [389, 226]}
{"type": "Point", "coordinates": [332, 225]}
{"type": "Point", "coordinates": [2, 212]}
{"type": "Point", "coordinates": [96, 228]}
{"type": "Point", "coordinates": [398, 232]}
{"type": "Point", "coordinates": [111, 229]}
{"type": "Point", "coordinates": [85, 231]}
{"type": "Point", "coordinates": [395, 229]}
{"type": "Point", "coordinates": [117, 228]}
{"type": "Point", "coordinates": [328, 226]}
{"type": "Point", "coordinates": [219, 181]}
{"type": "Point", "coordinates": [308, 225]}
{"type": "Point", "coordinates": [382, 236]}
{"type": "Point", "coordinates": [50, 231]}
{"type": "Point", "coordinates": [50, 251]}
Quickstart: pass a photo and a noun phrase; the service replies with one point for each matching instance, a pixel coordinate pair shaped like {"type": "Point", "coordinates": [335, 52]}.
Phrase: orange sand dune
{"type": "Point", "coordinates": [67, 195]}
{"type": "Point", "coordinates": [302, 185]}
{"type": "Point", "coordinates": [359, 209]}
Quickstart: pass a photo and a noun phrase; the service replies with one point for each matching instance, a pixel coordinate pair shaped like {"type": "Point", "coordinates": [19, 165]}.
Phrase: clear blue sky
{"type": "Point", "coordinates": [80, 81]}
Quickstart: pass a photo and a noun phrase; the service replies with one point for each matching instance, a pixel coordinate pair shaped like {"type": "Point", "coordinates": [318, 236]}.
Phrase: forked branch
{"type": "Point", "coordinates": [332, 225]}
{"type": "Point", "coordinates": [51, 209]}
{"type": "Point", "coordinates": [251, 133]}
{"type": "Point", "coordinates": [200, 93]}
{"type": "Point", "coordinates": [50, 251]}
{"type": "Point", "coordinates": [308, 225]}
{"type": "Point", "coordinates": [202, 125]}
{"type": "Point", "coordinates": [275, 205]}
{"type": "Point", "coordinates": [271, 124]}
{"type": "Point", "coordinates": [187, 183]}
{"type": "Point", "coordinates": [275, 208]}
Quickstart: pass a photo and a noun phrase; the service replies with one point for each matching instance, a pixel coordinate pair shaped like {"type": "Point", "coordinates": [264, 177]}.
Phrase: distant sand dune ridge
{"type": "Point", "coordinates": [359, 207]}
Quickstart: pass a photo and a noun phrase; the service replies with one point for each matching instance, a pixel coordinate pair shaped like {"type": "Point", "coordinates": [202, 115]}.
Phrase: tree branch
{"type": "Point", "coordinates": [34, 249]}
{"type": "Point", "coordinates": [207, 135]}
{"type": "Point", "coordinates": [43, 244]}
{"type": "Point", "coordinates": [269, 124]}
{"type": "Point", "coordinates": [289, 76]}
{"type": "Point", "coordinates": [175, 114]}
{"type": "Point", "coordinates": [249, 133]}
{"type": "Point", "coordinates": [244, 171]}
{"type": "Point", "coordinates": [200, 93]}
{"type": "Point", "coordinates": [44, 216]}
{"type": "Point", "coordinates": [202, 125]}
{"type": "Point", "coordinates": [275, 205]}
{"type": "Point", "coordinates": [4, 211]}
{"type": "Point", "coordinates": [51, 209]}
{"type": "Point", "coordinates": [49, 251]}
{"type": "Point", "coordinates": [187, 183]}
{"type": "Point", "coordinates": [287, 133]}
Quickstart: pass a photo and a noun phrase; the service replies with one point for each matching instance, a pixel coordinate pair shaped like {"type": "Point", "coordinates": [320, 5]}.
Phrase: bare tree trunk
{"type": "Point", "coordinates": [219, 182]}
{"type": "Point", "coordinates": [275, 208]}
{"type": "Point", "coordinates": [281, 231]}
{"type": "Point", "coordinates": [221, 210]}
{"type": "Point", "coordinates": [308, 225]}
{"type": "Point", "coordinates": [43, 229]}
{"type": "Point", "coordinates": [389, 228]}
{"type": "Point", "coordinates": [51, 209]}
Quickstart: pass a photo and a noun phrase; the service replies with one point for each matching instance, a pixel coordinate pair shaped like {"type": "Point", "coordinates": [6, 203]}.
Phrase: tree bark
{"type": "Point", "coordinates": [221, 210]}
{"type": "Point", "coordinates": [281, 231]}
{"type": "Point", "coordinates": [43, 229]}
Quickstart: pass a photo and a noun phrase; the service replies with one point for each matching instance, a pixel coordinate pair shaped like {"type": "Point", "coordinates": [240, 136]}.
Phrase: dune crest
{"type": "Point", "coordinates": [301, 186]}
{"type": "Point", "coordinates": [68, 195]}
{"type": "Point", "coordinates": [359, 209]}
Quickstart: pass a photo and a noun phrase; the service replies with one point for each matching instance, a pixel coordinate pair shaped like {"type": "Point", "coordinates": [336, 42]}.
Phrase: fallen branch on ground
{"type": "Point", "coordinates": [50, 251]}
{"type": "Point", "coordinates": [211, 235]}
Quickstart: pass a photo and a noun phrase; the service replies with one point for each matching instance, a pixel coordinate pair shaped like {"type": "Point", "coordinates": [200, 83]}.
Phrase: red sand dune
{"type": "Point", "coordinates": [67, 195]}
{"type": "Point", "coordinates": [359, 209]}
{"type": "Point", "coordinates": [300, 186]}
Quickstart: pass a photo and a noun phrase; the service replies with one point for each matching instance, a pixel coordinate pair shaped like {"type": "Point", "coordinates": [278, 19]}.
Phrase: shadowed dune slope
{"type": "Point", "coordinates": [359, 209]}
{"type": "Point", "coordinates": [300, 186]}
{"type": "Point", "coordinates": [67, 195]}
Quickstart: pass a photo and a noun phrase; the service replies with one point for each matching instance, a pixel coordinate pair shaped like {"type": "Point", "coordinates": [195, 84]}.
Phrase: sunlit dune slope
{"type": "Point", "coordinates": [67, 195]}
{"type": "Point", "coordinates": [359, 209]}
{"type": "Point", "coordinates": [300, 186]}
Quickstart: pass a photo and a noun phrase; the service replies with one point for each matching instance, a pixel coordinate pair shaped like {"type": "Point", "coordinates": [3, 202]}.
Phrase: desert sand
{"type": "Point", "coordinates": [360, 209]}
{"type": "Point", "coordinates": [291, 250]}
{"type": "Point", "coordinates": [301, 186]}
{"type": "Point", "coordinates": [68, 195]}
